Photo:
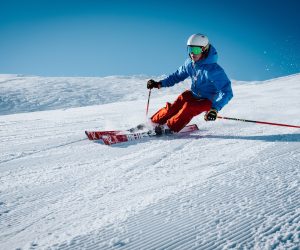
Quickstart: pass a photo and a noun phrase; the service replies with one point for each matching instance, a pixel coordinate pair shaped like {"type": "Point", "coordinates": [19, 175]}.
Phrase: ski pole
{"type": "Point", "coordinates": [148, 103]}
{"type": "Point", "coordinates": [260, 122]}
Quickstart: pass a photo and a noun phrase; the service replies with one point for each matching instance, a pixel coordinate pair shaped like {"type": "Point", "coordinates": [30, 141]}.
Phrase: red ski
{"type": "Point", "coordinates": [97, 135]}
{"type": "Point", "coordinates": [113, 137]}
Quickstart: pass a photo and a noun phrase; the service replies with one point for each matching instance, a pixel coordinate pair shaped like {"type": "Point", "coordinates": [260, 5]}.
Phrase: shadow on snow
{"type": "Point", "coordinates": [266, 138]}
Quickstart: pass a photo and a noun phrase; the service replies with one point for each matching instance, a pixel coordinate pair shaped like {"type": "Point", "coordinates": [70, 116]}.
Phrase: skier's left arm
{"type": "Point", "coordinates": [223, 88]}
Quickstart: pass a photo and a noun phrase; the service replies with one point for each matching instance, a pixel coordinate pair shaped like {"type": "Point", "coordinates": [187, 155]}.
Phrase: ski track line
{"type": "Point", "coordinates": [123, 164]}
{"type": "Point", "coordinates": [233, 238]}
{"type": "Point", "coordinates": [23, 131]}
{"type": "Point", "coordinates": [116, 162]}
{"type": "Point", "coordinates": [24, 154]}
{"type": "Point", "coordinates": [152, 152]}
{"type": "Point", "coordinates": [131, 166]}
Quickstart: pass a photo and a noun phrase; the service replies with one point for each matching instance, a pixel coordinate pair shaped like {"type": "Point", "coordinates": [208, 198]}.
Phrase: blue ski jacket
{"type": "Point", "coordinates": [209, 80]}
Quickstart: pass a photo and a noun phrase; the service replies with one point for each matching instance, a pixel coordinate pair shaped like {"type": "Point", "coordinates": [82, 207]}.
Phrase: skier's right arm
{"type": "Point", "coordinates": [180, 75]}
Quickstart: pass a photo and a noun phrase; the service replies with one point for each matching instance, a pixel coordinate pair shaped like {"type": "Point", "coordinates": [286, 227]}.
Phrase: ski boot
{"type": "Point", "coordinates": [162, 130]}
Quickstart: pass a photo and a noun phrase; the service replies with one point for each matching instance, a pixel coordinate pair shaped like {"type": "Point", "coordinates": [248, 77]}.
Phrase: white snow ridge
{"type": "Point", "coordinates": [230, 185]}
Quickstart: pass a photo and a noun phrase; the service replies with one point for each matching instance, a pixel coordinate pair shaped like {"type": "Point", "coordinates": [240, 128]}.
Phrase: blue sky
{"type": "Point", "coordinates": [256, 40]}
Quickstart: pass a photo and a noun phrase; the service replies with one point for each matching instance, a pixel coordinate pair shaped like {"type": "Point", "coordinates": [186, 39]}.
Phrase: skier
{"type": "Point", "coordinates": [210, 90]}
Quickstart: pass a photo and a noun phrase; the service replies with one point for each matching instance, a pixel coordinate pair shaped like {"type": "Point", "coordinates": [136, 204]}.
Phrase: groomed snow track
{"type": "Point", "coordinates": [230, 185]}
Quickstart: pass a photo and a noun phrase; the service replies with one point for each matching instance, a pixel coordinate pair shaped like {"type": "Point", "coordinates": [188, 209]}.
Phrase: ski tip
{"type": "Point", "coordinates": [89, 135]}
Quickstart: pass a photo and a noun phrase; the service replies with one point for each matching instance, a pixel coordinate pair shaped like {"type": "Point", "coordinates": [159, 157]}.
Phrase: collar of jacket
{"type": "Point", "coordinates": [211, 58]}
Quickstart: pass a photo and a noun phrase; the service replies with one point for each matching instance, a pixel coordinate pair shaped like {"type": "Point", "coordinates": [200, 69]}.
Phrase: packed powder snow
{"type": "Point", "coordinates": [230, 185]}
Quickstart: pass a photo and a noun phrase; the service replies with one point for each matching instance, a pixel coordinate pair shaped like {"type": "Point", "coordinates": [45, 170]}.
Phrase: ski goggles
{"type": "Point", "coordinates": [195, 50]}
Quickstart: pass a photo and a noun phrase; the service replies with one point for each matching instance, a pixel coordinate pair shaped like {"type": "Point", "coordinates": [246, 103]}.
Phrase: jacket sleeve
{"type": "Point", "coordinates": [180, 75]}
{"type": "Point", "coordinates": [223, 88]}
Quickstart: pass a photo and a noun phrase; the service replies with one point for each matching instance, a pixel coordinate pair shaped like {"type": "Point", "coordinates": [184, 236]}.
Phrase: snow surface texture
{"type": "Point", "coordinates": [231, 185]}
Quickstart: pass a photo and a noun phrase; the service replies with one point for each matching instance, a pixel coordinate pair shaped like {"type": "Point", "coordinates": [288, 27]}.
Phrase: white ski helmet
{"type": "Point", "coordinates": [198, 40]}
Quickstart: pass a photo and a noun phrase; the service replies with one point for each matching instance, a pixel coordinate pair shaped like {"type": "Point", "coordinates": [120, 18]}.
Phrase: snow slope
{"type": "Point", "coordinates": [231, 185]}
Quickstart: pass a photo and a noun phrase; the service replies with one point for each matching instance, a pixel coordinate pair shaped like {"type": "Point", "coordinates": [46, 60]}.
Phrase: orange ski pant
{"type": "Point", "coordinates": [180, 113]}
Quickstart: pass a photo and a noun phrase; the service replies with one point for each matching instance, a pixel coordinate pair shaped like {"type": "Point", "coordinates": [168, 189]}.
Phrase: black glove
{"type": "Point", "coordinates": [211, 115]}
{"type": "Point", "coordinates": [153, 84]}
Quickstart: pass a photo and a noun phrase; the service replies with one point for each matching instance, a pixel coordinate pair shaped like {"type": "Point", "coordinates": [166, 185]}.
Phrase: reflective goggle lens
{"type": "Point", "coordinates": [195, 50]}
